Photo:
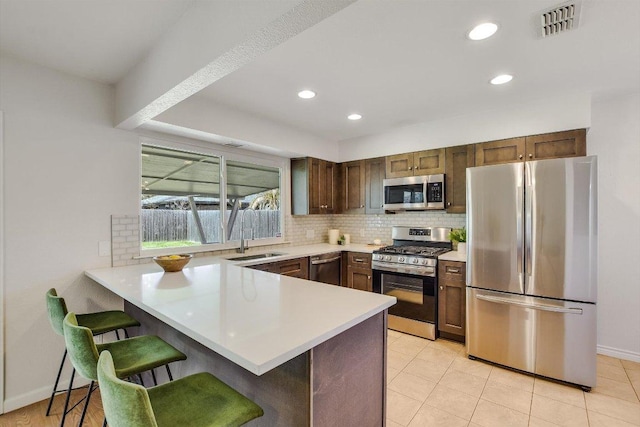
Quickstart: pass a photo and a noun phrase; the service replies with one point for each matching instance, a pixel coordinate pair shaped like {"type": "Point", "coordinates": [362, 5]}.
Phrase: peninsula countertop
{"type": "Point", "coordinates": [256, 319]}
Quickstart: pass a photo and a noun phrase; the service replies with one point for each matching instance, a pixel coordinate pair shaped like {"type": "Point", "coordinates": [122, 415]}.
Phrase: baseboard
{"type": "Point", "coordinates": [620, 354]}
{"type": "Point", "coordinates": [37, 395]}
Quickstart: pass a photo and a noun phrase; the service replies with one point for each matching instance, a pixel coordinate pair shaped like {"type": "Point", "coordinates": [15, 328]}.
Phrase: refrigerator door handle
{"type": "Point", "coordinates": [519, 239]}
{"type": "Point", "coordinates": [543, 307]}
{"type": "Point", "coordinates": [528, 224]}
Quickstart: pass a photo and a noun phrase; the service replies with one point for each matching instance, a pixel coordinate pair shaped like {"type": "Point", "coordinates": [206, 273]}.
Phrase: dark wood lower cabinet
{"type": "Point", "coordinates": [357, 272]}
{"type": "Point", "coordinates": [297, 267]}
{"type": "Point", "coordinates": [452, 299]}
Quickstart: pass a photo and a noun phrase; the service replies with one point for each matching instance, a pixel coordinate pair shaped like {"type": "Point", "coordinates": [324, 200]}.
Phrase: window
{"type": "Point", "coordinates": [181, 200]}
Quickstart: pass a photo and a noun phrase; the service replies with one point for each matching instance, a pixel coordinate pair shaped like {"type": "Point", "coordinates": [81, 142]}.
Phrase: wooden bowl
{"type": "Point", "coordinates": [170, 263]}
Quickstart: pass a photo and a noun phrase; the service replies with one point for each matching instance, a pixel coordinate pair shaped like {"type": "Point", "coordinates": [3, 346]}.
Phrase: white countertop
{"type": "Point", "coordinates": [454, 256]}
{"type": "Point", "coordinates": [256, 319]}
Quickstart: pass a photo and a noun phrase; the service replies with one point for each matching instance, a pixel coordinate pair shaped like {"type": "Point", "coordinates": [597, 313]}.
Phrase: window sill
{"type": "Point", "coordinates": [226, 247]}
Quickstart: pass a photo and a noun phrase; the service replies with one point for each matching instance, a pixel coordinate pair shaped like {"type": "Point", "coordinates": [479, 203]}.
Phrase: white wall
{"type": "Point", "coordinates": [615, 138]}
{"type": "Point", "coordinates": [66, 170]}
{"type": "Point", "coordinates": [204, 115]}
{"type": "Point", "coordinates": [545, 115]}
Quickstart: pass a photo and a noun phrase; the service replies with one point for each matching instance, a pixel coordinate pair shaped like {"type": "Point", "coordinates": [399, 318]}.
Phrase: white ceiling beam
{"type": "Point", "coordinates": [211, 40]}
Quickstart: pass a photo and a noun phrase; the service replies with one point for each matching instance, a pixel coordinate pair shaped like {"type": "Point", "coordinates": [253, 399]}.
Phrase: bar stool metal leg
{"type": "Point", "coordinates": [66, 401]}
{"type": "Point", "coordinates": [55, 386]}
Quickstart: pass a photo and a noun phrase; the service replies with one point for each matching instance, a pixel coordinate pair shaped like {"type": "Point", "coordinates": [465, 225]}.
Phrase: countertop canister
{"type": "Point", "coordinates": [334, 234]}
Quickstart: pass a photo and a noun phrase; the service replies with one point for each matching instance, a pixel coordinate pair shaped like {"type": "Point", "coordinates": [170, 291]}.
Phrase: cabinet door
{"type": "Point", "coordinates": [502, 151]}
{"type": "Point", "coordinates": [399, 165]}
{"type": "Point", "coordinates": [316, 196]}
{"type": "Point", "coordinates": [359, 278]}
{"type": "Point", "coordinates": [328, 186]}
{"type": "Point", "coordinates": [428, 162]}
{"type": "Point", "coordinates": [452, 300]}
{"type": "Point", "coordinates": [555, 145]}
{"type": "Point", "coordinates": [374, 191]}
{"type": "Point", "coordinates": [457, 160]}
{"type": "Point", "coordinates": [353, 186]}
{"type": "Point", "coordinates": [298, 267]}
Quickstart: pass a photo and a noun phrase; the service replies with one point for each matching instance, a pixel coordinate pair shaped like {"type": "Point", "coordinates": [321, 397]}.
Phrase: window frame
{"type": "Point", "coordinates": [225, 155]}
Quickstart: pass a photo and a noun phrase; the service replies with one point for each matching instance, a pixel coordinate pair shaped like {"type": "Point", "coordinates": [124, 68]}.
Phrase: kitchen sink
{"type": "Point", "coordinates": [256, 256]}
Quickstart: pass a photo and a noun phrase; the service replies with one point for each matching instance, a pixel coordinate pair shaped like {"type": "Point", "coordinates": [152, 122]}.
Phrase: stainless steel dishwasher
{"type": "Point", "coordinates": [325, 268]}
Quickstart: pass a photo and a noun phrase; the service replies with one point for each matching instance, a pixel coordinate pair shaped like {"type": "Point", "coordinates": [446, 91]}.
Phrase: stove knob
{"type": "Point", "coordinates": [415, 260]}
{"type": "Point", "coordinates": [401, 259]}
{"type": "Point", "coordinates": [423, 261]}
{"type": "Point", "coordinates": [387, 258]}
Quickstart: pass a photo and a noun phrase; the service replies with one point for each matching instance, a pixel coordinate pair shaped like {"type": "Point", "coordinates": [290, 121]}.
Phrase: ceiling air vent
{"type": "Point", "coordinates": [560, 19]}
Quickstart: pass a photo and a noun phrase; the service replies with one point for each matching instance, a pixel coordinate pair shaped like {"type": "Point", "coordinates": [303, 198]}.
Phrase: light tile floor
{"type": "Point", "coordinates": [433, 383]}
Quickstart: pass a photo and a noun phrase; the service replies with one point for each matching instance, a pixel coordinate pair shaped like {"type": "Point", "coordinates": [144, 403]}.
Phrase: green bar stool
{"type": "Point", "coordinates": [99, 323]}
{"type": "Point", "coordinates": [194, 401]}
{"type": "Point", "coordinates": [132, 356]}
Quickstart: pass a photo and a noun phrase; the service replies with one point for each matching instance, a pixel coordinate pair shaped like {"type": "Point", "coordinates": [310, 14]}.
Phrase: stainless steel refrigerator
{"type": "Point", "coordinates": [531, 267]}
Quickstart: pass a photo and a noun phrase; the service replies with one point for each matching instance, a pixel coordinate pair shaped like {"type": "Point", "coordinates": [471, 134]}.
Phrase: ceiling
{"type": "Point", "coordinates": [96, 39]}
{"type": "Point", "coordinates": [396, 62]}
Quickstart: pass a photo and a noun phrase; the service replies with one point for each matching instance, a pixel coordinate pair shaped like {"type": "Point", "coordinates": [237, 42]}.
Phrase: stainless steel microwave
{"type": "Point", "coordinates": [414, 193]}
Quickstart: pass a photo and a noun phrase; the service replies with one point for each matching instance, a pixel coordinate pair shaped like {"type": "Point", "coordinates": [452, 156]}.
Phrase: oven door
{"type": "Point", "coordinates": [416, 295]}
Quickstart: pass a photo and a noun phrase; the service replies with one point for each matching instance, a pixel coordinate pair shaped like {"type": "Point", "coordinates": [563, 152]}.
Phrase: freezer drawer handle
{"type": "Point", "coordinates": [533, 306]}
{"type": "Point", "coordinates": [324, 261]}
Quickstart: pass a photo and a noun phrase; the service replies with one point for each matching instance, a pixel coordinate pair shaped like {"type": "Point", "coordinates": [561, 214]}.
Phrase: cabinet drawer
{"type": "Point", "coordinates": [452, 271]}
{"type": "Point", "coordinates": [359, 259]}
{"type": "Point", "coordinates": [298, 267]}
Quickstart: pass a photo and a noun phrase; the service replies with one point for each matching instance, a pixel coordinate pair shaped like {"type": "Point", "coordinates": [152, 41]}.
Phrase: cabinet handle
{"type": "Point", "coordinates": [358, 259]}
{"type": "Point", "coordinates": [441, 288]}
{"type": "Point", "coordinates": [449, 204]}
{"type": "Point", "coordinates": [520, 156]}
{"type": "Point", "coordinates": [453, 270]}
{"type": "Point", "coordinates": [368, 277]}
{"type": "Point", "coordinates": [530, 156]}
{"type": "Point", "coordinates": [417, 167]}
{"type": "Point", "coordinates": [362, 206]}
{"type": "Point", "coordinates": [410, 167]}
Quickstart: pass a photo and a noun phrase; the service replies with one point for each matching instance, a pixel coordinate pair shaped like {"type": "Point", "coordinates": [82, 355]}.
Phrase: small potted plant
{"type": "Point", "coordinates": [459, 237]}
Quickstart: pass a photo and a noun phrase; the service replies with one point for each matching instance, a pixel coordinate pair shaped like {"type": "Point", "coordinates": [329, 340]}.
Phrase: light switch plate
{"type": "Point", "coordinates": [104, 248]}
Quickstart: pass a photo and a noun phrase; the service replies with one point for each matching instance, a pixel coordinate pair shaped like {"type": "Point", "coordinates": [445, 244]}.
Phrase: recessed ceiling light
{"type": "Point", "coordinates": [354, 116]}
{"type": "Point", "coordinates": [306, 94]}
{"type": "Point", "coordinates": [483, 31]}
{"type": "Point", "coordinates": [501, 79]}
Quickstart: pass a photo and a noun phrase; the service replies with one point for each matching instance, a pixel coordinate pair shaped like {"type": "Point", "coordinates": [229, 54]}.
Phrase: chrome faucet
{"type": "Point", "coordinates": [242, 247]}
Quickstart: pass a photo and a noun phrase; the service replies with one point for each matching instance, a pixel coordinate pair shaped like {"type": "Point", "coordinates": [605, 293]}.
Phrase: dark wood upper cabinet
{"type": "Point", "coordinates": [314, 184]}
{"type": "Point", "coordinates": [458, 159]}
{"type": "Point", "coordinates": [374, 191]}
{"type": "Point", "coordinates": [555, 145]}
{"type": "Point", "coordinates": [353, 187]}
{"type": "Point", "coordinates": [429, 162]}
{"type": "Point", "coordinates": [426, 162]}
{"type": "Point", "coordinates": [502, 151]}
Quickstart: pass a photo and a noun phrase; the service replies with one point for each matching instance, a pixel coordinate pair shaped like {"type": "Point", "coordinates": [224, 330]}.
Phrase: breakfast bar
{"type": "Point", "coordinates": [308, 353]}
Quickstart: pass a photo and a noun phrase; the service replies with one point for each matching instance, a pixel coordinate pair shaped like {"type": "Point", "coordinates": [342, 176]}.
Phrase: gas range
{"type": "Point", "coordinates": [407, 270]}
{"type": "Point", "coordinates": [414, 251]}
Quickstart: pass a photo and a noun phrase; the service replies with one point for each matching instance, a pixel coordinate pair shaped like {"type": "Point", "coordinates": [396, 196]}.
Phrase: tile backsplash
{"type": "Point", "coordinates": [299, 230]}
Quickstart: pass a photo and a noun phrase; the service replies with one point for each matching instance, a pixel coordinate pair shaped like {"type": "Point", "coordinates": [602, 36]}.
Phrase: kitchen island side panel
{"type": "Point", "coordinates": [283, 392]}
{"type": "Point", "coordinates": [349, 376]}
